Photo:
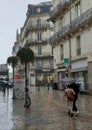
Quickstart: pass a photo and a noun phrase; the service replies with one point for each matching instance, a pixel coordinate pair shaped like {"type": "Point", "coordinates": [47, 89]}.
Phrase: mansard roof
{"type": "Point", "coordinates": [43, 6]}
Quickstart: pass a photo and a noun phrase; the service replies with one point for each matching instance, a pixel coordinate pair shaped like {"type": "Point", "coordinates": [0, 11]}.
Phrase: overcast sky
{"type": "Point", "coordinates": [12, 17]}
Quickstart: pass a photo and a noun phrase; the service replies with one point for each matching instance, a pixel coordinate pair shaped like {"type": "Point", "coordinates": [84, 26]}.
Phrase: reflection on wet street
{"type": "Point", "coordinates": [48, 111]}
{"type": "Point", "coordinates": [6, 109]}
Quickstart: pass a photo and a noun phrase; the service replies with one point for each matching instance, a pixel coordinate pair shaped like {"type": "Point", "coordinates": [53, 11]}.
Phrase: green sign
{"type": "Point", "coordinates": [66, 60]}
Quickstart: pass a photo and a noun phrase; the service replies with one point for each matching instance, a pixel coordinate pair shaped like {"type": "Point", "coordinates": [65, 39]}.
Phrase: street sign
{"type": "Point", "coordinates": [66, 60]}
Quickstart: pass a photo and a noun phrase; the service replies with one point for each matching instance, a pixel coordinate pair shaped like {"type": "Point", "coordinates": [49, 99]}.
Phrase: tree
{"type": "Point", "coordinates": [26, 55]}
{"type": "Point", "coordinates": [13, 60]}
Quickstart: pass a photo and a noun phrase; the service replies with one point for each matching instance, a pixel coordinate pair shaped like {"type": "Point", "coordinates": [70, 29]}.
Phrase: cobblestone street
{"type": "Point", "coordinates": [48, 111]}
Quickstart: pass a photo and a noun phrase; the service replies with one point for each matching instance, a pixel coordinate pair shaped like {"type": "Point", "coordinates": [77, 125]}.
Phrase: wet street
{"type": "Point", "coordinates": [48, 111]}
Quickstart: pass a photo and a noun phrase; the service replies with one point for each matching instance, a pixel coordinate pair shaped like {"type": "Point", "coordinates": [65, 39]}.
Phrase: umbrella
{"type": "Point", "coordinates": [67, 81]}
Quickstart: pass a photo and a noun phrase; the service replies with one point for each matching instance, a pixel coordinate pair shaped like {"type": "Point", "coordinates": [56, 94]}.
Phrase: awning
{"type": "Point", "coordinates": [79, 69]}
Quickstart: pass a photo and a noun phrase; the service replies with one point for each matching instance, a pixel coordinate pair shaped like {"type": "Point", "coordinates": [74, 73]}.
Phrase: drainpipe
{"type": "Point", "coordinates": [69, 72]}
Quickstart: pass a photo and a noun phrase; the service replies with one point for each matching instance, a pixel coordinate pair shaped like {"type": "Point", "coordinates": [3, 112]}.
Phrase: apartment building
{"type": "Point", "coordinates": [35, 34]}
{"type": "Point", "coordinates": [17, 44]}
{"type": "Point", "coordinates": [72, 41]}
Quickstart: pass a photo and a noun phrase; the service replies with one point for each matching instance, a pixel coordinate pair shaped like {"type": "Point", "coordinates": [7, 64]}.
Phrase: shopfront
{"type": "Point", "coordinates": [43, 76]}
{"type": "Point", "coordinates": [79, 72]}
{"type": "Point", "coordinates": [61, 75]}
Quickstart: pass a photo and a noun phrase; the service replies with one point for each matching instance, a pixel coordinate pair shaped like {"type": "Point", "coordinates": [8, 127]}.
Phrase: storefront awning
{"type": "Point", "coordinates": [79, 69]}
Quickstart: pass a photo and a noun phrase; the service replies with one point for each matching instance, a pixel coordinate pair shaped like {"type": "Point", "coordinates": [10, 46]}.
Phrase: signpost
{"type": "Point", "coordinates": [67, 63]}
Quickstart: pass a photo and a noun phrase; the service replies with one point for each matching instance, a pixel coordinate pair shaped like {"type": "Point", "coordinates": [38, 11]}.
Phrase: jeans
{"type": "Point", "coordinates": [74, 103]}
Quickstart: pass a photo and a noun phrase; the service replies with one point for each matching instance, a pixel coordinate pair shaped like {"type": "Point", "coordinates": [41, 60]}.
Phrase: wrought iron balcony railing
{"type": "Point", "coordinates": [44, 54]}
{"type": "Point", "coordinates": [61, 6]}
{"type": "Point", "coordinates": [35, 42]}
{"type": "Point", "coordinates": [35, 27]}
{"type": "Point", "coordinates": [73, 26]}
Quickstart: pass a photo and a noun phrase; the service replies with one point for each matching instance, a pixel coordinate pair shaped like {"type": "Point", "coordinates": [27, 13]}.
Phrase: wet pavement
{"type": "Point", "coordinates": [48, 111]}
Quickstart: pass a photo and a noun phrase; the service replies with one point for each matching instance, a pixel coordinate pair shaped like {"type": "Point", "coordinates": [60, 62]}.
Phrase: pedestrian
{"type": "Point", "coordinates": [4, 89]}
{"type": "Point", "coordinates": [76, 89]}
{"type": "Point", "coordinates": [39, 83]}
{"type": "Point", "coordinates": [48, 83]}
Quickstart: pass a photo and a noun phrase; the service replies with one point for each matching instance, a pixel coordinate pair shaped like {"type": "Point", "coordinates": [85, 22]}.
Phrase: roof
{"type": "Point", "coordinates": [44, 8]}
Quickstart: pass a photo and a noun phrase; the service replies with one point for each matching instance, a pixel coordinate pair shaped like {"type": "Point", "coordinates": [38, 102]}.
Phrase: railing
{"type": "Point", "coordinates": [35, 27]}
{"type": "Point", "coordinates": [59, 7]}
{"type": "Point", "coordinates": [35, 41]}
{"type": "Point", "coordinates": [43, 54]}
{"type": "Point", "coordinates": [79, 22]}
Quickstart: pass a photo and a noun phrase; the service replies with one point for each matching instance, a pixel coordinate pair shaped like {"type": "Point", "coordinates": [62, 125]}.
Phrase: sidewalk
{"type": "Point", "coordinates": [48, 111]}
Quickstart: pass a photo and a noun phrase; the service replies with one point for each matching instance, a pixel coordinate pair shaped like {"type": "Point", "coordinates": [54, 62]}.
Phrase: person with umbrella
{"type": "Point", "coordinates": [76, 89]}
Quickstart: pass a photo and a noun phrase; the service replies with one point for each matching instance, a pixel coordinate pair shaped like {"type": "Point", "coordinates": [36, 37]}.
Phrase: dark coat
{"type": "Point", "coordinates": [75, 87]}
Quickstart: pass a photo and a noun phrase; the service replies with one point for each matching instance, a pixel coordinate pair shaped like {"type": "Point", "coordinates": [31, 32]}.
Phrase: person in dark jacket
{"type": "Point", "coordinates": [76, 89]}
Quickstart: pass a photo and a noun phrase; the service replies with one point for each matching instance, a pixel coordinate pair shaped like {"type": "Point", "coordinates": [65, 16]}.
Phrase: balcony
{"type": "Point", "coordinates": [74, 26]}
{"type": "Point", "coordinates": [34, 42]}
{"type": "Point", "coordinates": [35, 27]}
{"type": "Point", "coordinates": [44, 55]}
{"type": "Point", "coordinates": [60, 7]}
{"type": "Point", "coordinates": [42, 27]}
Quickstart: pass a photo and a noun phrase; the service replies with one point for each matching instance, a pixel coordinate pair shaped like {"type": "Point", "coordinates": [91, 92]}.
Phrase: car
{"type": "Point", "coordinates": [6, 83]}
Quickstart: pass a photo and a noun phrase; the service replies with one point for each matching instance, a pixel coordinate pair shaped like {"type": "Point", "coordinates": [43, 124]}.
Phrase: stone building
{"type": "Point", "coordinates": [72, 41]}
{"type": "Point", "coordinates": [35, 34]}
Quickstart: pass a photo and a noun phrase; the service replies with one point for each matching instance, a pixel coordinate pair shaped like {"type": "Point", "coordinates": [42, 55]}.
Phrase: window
{"type": "Point", "coordinates": [39, 22]}
{"type": "Point", "coordinates": [62, 22]}
{"type": "Point", "coordinates": [39, 36]}
{"type": "Point", "coordinates": [39, 50]}
{"type": "Point", "coordinates": [51, 64]}
{"type": "Point", "coordinates": [39, 64]}
{"type": "Point", "coordinates": [78, 45]}
{"type": "Point", "coordinates": [38, 10]}
{"type": "Point", "coordinates": [61, 52]}
{"type": "Point", "coordinates": [52, 50]}
{"type": "Point", "coordinates": [78, 9]}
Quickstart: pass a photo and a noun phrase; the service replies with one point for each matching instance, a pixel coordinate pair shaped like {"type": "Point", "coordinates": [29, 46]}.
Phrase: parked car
{"type": "Point", "coordinates": [5, 83]}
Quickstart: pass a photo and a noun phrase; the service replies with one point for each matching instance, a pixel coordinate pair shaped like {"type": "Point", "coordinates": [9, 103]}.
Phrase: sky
{"type": "Point", "coordinates": [12, 17]}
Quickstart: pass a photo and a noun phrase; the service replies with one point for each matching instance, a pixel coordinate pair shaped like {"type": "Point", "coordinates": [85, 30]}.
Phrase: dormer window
{"type": "Point", "coordinates": [38, 9]}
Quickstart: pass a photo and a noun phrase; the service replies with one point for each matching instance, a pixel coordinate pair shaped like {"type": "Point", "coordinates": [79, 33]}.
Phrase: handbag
{"type": "Point", "coordinates": [69, 92]}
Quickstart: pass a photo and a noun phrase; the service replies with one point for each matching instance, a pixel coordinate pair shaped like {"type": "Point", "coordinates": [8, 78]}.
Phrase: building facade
{"type": "Point", "coordinates": [35, 34]}
{"type": "Point", "coordinates": [72, 41]}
